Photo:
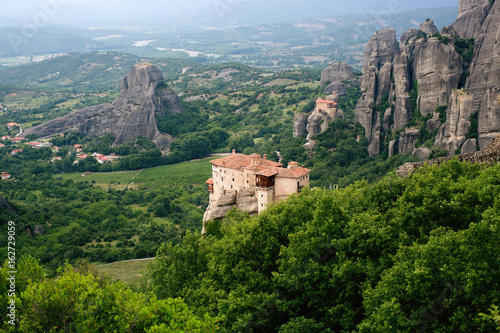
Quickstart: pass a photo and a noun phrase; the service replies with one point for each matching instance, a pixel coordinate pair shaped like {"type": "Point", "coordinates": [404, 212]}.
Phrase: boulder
{"type": "Point", "coordinates": [39, 230]}
{"type": "Point", "coordinates": [469, 146]}
{"type": "Point", "coordinates": [422, 153]}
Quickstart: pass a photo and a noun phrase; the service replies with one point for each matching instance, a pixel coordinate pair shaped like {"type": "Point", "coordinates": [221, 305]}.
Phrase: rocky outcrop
{"type": "Point", "coordinates": [484, 79]}
{"type": "Point", "coordinates": [471, 16]}
{"type": "Point", "coordinates": [299, 125]}
{"type": "Point", "coordinates": [452, 134]}
{"type": "Point", "coordinates": [335, 74]}
{"type": "Point", "coordinates": [488, 156]}
{"type": "Point", "coordinates": [244, 200]}
{"type": "Point", "coordinates": [143, 99]}
{"type": "Point", "coordinates": [317, 123]}
{"type": "Point", "coordinates": [423, 74]}
{"type": "Point", "coordinates": [469, 146]}
{"type": "Point", "coordinates": [407, 141]}
{"type": "Point", "coordinates": [422, 153]}
{"type": "Point", "coordinates": [405, 37]}
{"type": "Point", "coordinates": [380, 51]}
{"type": "Point", "coordinates": [428, 27]}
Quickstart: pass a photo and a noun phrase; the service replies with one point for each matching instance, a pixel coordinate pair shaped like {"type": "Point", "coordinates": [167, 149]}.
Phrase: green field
{"type": "Point", "coordinates": [186, 173]}
{"type": "Point", "coordinates": [128, 272]}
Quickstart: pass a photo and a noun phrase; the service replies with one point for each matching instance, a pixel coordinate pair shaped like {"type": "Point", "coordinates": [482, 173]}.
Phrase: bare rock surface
{"type": "Point", "coordinates": [143, 99]}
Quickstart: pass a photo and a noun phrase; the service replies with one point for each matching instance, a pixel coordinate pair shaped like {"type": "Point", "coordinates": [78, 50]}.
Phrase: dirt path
{"type": "Point", "coordinates": [131, 179]}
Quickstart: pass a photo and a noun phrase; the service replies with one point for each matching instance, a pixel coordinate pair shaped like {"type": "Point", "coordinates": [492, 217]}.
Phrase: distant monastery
{"type": "Point", "coordinates": [250, 183]}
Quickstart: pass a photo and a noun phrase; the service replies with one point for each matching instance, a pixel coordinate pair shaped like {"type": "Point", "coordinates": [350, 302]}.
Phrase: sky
{"type": "Point", "coordinates": [56, 11]}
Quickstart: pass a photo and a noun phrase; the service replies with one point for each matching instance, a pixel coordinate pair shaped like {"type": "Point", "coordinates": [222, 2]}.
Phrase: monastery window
{"type": "Point", "coordinates": [231, 187]}
{"type": "Point", "coordinates": [262, 195]}
{"type": "Point", "coordinates": [233, 179]}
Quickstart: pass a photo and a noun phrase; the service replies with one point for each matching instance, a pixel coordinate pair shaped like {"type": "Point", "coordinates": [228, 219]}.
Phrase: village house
{"type": "Point", "coordinates": [6, 137]}
{"type": "Point", "coordinates": [256, 178]}
{"type": "Point", "coordinates": [16, 151]}
{"type": "Point", "coordinates": [17, 139]}
{"type": "Point", "coordinates": [5, 175]}
{"type": "Point", "coordinates": [12, 125]}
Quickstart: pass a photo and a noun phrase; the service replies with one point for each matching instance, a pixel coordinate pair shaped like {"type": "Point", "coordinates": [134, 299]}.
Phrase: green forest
{"type": "Point", "coordinates": [361, 250]}
{"type": "Point", "coordinates": [400, 255]}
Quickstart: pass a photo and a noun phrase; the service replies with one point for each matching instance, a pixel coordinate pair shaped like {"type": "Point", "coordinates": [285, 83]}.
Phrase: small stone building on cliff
{"type": "Point", "coordinates": [249, 183]}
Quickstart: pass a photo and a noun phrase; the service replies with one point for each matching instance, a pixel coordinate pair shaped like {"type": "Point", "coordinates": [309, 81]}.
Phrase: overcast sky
{"type": "Point", "coordinates": [77, 9]}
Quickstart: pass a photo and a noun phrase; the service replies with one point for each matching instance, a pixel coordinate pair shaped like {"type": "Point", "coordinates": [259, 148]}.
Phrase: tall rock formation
{"type": "Point", "coordinates": [377, 71]}
{"type": "Point", "coordinates": [429, 27]}
{"type": "Point", "coordinates": [453, 133]}
{"type": "Point", "coordinates": [144, 98]}
{"type": "Point", "coordinates": [484, 79]}
{"type": "Point", "coordinates": [471, 16]}
{"type": "Point", "coordinates": [335, 74]}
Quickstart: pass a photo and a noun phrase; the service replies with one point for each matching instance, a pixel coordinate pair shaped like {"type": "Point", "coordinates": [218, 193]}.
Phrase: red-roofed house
{"type": "Point", "coordinates": [17, 139]}
{"type": "Point", "coordinates": [16, 151]}
{"type": "Point", "coordinates": [5, 175]}
{"type": "Point", "coordinates": [12, 125]}
{"type": "Point", "coordinates": [102, 159]}
{"type": "Point", "coordinates": [6, 137]}
{"type": "Point", "coordinates": [250, 183]}
{"type": "Point", "coordinates": [82, 157]}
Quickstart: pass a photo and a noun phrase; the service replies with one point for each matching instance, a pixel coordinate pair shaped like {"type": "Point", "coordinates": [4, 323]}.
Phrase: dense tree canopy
{"type": "Point", "coordinates": [401, 255]}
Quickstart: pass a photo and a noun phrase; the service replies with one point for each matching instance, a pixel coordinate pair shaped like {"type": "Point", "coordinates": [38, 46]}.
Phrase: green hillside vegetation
{"type": "Point", "coordinates": [79, 301]}
{"type": "Point", "coordinates": [101, 217]}
{"type": "Point", "coordinates": [81, 73]}
{"type": "Point", "coordinates": [412, 254]}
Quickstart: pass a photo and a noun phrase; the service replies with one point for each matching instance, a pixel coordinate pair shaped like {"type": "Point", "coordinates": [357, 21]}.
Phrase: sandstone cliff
{"type": "Point", "coordinates": [377, 71]}
{"type": "Point", "coordinates": [143, 99]}
{"type": "Point", "coordinates": [424, 72]}
{"type": "Point", "coordinates": [471, 16]}
{"type": "Point", "coordinates": [484, 79]}
{"type": "Point", "coordinates": [335, 74]}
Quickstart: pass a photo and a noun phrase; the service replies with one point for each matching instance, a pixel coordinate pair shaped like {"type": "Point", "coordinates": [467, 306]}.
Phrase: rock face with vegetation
{"type": "Point", "coordinates": [471, 16]}
{"type": "Point", "coordinates": [414, 84]}
{"type": "Point", "coordinates": [377, 70]}
{"type": "Point", "coordinates": [484, 79]}
{"type": "Point", "coordinates": [453, 133]}
{"type": "Point", "coordinates": [143, 100]}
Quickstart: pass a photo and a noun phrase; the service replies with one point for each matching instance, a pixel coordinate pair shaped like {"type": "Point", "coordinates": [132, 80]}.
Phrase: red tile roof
{"type": "Point", "coordinates": [210, 181]}
{"type": "Point", "coordinates": [325, 101]}
{"type": "Point", "coordinates": [240, 162]}
{"type": "Point", "coordinates": [265, 167]}
{"type": "Point", "coordinates": [296, 172]}
{"type": "Point", "coordinates": [268, 172]}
